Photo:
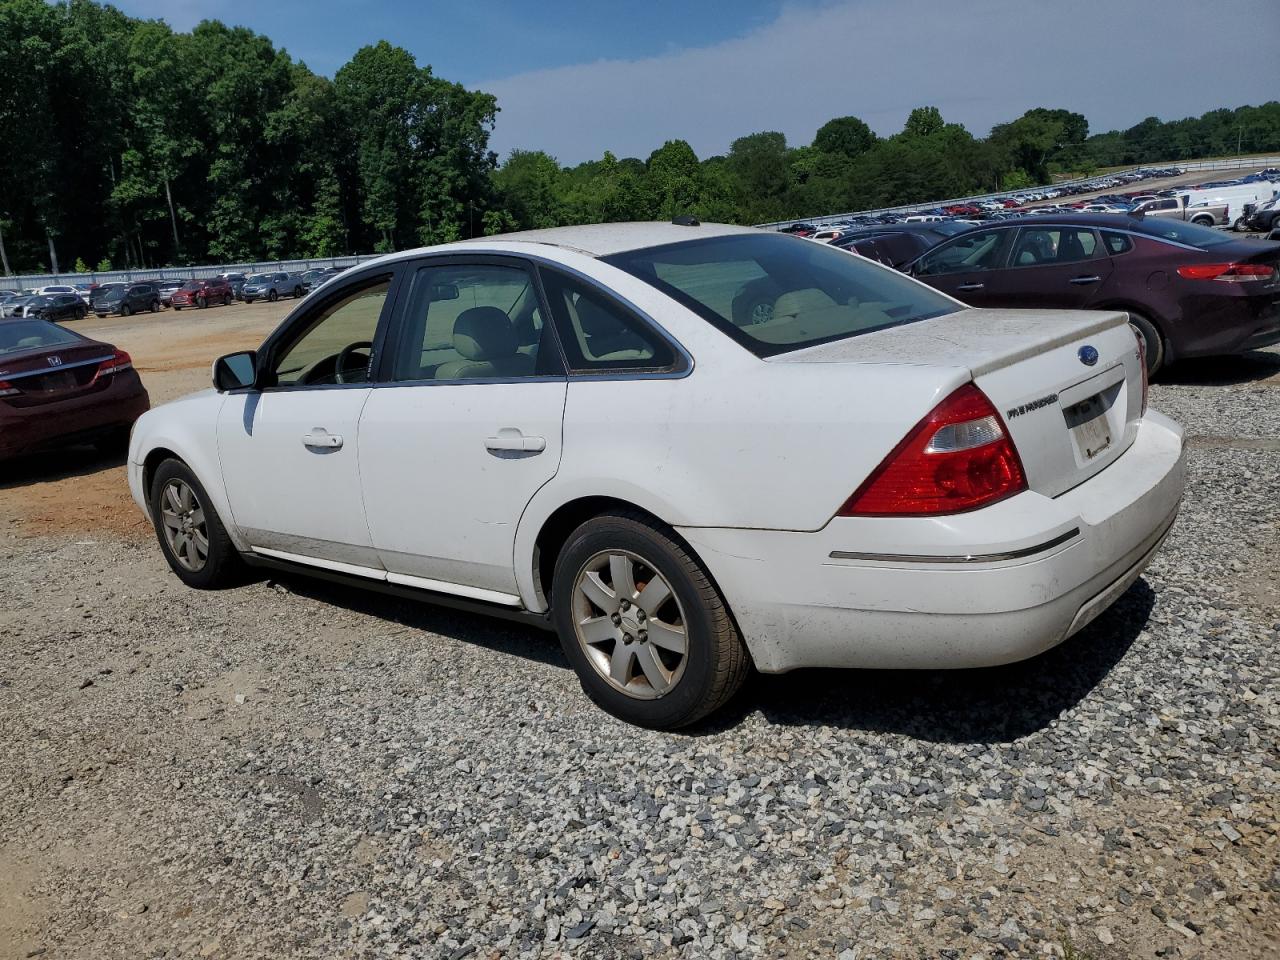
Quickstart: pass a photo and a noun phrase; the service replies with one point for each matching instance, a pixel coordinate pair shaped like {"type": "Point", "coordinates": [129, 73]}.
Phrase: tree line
{"type": "Point", "coordinates": [131, 144]}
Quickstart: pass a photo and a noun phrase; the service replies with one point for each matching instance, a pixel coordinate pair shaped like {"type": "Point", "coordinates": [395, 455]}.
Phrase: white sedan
{"type": "Point", "coordinates": [603, 429]}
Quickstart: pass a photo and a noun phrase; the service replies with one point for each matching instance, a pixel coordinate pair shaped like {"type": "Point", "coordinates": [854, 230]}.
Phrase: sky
{"type": "Point", "coordinates": [576, 78]}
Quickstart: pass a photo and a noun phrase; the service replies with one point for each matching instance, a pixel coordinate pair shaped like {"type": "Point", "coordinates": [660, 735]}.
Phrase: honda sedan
{"type": "Point", "coordinates": [59, 388]}
{"type": "Point", "coordinates": [575, 427]}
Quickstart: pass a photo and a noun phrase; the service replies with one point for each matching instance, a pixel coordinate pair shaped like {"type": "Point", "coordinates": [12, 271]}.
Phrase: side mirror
{"type": "Point", "coordinates": [235, 371]}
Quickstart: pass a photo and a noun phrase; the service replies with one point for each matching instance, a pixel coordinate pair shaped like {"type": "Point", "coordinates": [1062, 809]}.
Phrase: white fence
{"type": "Point", "coordinates": [1238, 163]}
{"type": "Point", "coordinates": [30, 280]}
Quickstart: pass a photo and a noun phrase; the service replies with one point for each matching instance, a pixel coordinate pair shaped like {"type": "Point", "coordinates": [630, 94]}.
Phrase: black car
{"type": "Point", "coordinates": [236, 281]}
{"type": "Point", "coordinates": [899, 243]}
{"type": "Point", "coordinates": [1262, 216]}
{"type": "Point", "coordinates": [56, 306]}
{"type": "Point", "coordinates": [126, 300]}
{"type": "Point", "coordinates": [102, 289]}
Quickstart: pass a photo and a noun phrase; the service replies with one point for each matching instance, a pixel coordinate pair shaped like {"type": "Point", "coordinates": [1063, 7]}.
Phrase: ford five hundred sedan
{"type": "Point", "coordinates": [588, 427]}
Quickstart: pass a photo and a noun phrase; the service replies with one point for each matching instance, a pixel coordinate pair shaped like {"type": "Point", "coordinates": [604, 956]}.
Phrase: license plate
{"type": "Point", "coordinates": [53, 382]}
{"type": "Point", "coordinates": [1088, 420]}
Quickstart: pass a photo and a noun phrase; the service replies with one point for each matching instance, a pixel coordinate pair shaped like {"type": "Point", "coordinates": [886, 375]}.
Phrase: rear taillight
{"type": "Point", "coordinates": [1142, 365]}
{"type": "Point", "coordinates": [1227, 272]}
{"type": "Point", "coordinates": [7, 389]}
{"type": "Point", "coordinates": [957, 458]}
{"type": "Point", "coordinates": [117, 362]}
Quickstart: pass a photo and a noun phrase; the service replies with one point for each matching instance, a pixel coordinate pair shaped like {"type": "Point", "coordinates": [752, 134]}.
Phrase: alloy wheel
{"type": "Point", "coordinates": [629, 624]}
{"type": "Point", "coordinates": [182, 517]}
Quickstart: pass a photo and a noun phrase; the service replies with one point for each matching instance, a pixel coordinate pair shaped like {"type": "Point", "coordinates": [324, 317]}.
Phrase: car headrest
{"type": "Point", "coordinates": [484, 333]}
{"type": "Point", "coordinates": [595, 320]}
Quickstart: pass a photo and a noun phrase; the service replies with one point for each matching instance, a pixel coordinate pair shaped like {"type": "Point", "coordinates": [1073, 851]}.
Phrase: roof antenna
{"type": "Point", "coordinates": [684, 220]}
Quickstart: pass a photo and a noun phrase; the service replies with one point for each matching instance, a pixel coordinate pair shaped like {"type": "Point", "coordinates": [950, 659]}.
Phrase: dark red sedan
{"type": "Point", "coordinates": [1190, 291]}
{"type": "Point", "coordinates": [58, 388]}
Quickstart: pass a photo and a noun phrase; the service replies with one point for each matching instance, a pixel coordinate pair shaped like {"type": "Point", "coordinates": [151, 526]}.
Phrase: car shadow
{"type": "Point", "coordinates": [1251, 367]}
{"type": "Point", "coordinates": [492, 633]}
{"type": "Point", "coordinates": [991, 705]}
{"type": "Point", "coordinates": [60, 464]}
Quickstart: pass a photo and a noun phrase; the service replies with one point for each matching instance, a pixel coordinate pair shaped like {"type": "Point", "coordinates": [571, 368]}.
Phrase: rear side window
{"type": "Point", "coordinates": [1038, 246]}
{"type": "Point", "coordinates": [473, 322]}
{"type": "Point", "coordinates": [598, 333]}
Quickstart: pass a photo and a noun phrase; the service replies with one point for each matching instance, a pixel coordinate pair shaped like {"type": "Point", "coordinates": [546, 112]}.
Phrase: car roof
{"type": "Point", "coordinates": [606, 239]}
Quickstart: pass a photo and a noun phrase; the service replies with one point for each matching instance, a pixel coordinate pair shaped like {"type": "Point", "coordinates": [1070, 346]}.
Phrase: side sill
{"type": "Point", "coordinates": [260, 559]}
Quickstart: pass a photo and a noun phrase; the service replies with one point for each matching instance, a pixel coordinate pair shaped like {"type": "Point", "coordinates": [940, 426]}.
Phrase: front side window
{"type": "Point", "coordinates": [478, 322]}
{"type": "Point", "coordinates": [1041, 246]}
{"type": "Point", "coordinates": [773, 293]}
{"type": "Point", "coordinates": [334, 344]}
{"type": "Point", "coordinates": [599, 334]}
{"type": "Point", "coordinates": [972, 251]}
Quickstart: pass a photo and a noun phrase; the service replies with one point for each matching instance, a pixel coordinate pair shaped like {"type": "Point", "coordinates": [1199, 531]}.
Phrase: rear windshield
{"type": "Point", "coordinates": [1179, 232]}
{"type": "Point", "coordinates": [16, 335]}
{"type": "Point", "coordinates": [774, 293]}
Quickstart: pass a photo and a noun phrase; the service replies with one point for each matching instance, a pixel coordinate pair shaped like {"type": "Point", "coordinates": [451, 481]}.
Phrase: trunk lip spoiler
{"type": "Point", "coordinates": [47, 370]}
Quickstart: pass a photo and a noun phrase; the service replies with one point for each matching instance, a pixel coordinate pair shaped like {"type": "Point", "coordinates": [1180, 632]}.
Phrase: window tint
{"type": "Point", "coordinates": [972, 251]}
{"type": "Point", "coordinates": [311, 358]}
{"type": "Point", "coordinates": [18, 335]}
{"type": "Point", "coordinates": [599, 334]}
{"type": "Point", "coordinates": [773, 293]}
{"type": "Point", "coordinates": [1116, 242]}
{"type": "Point", "coordinates": [1191, 234]}
{"type": "Point", "coordinates": [473, 322]}
{"type": "Point", "coordinates": [1038, 246]}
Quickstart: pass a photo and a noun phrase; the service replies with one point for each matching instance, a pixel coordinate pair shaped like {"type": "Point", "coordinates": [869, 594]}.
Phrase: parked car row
{"type": "Point", "coordinates": [1229, 203]}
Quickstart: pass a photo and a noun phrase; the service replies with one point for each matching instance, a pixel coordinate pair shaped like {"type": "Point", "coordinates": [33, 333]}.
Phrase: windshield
{"type": "Point", "coordinates": [260, 278]}
{"type": "Point", "coordinates": [191, 285]}
{"type": "Point", "coordinates": [16, 335]}
{"type": "Point", "coordinates": [774, 293]}
{"type": "Point", "coordinates": [1179, 232]}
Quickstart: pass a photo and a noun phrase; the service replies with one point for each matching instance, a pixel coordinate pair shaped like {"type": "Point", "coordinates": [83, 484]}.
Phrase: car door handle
{"type": "Point", "coordinates": [971, 286]}
{"type": "Point", "coordinates": [515, 440]}
{"type": "Point", "coordinates": [321, 438]}
{"type": "Point", "coordinates": [1079, 280]}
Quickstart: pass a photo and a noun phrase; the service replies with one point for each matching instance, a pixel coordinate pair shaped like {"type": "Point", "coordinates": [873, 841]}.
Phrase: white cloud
{"type": "Point", "coordinates": [981, 63]}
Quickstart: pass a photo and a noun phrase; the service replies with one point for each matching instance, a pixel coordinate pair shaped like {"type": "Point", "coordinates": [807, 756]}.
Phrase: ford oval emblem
{"type": "Point", "coordinates": [1088, 355]}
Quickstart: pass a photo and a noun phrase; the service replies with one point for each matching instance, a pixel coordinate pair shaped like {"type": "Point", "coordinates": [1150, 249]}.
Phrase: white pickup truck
{"type": "Point", "coordinates": [1177, 208]}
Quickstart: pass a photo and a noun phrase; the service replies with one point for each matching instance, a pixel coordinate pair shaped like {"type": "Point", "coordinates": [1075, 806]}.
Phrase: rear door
{"type": "Point", "coordinates": [1052, 267]}
{"type": "Point", "coordinates": [967, 266]}
{"type": "Point", "coordinates": [464, 426]}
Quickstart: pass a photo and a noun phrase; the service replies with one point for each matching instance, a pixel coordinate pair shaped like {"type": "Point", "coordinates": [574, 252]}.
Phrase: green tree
{"type": "Point", "coordinates": [846, 136]}
{"type": "Point", "coordinates": [923, 122]}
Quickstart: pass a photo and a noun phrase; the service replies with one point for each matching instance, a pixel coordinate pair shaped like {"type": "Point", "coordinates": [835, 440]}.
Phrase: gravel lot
{"type": "Point", "coordinates": [292, 769]}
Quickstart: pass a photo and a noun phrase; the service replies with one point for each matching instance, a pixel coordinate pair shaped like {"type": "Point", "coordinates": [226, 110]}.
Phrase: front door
{"type": "Point", "coordinates": [464, 427]}
{"type": "Point", "coordinates": [967, 267]}
{"type": "Point", "coordinates": [288, 450]}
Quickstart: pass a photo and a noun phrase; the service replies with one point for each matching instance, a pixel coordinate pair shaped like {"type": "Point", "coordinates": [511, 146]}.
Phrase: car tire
{"type": "Point", "coordinates": [176, 307]}
{"type": "Point", "coordinates": [297, 293]}
{"type": "Point", "coordinates": [1203, 221]}
{"type": "Point", "coordinates": [226, 300]}
{"type": "Point", "coordinates": [201, 302]}
{"type": "Point", "coordinates": [273, 296]}
{"type": "Point", "coordinates": [614, 671]}
{"type": "Point", "coordinates": [81, 313]}
{"type": "Point", "coordinates": [1152, 339]}
{"type": "Point", "coordinates": [219, 564]}
{"type": "Point", "coordinates": [1240, 226]}
{"type": "Point", "coordinates": [126, 310]}
{"type": "Point", "coordinates": [155, 306]}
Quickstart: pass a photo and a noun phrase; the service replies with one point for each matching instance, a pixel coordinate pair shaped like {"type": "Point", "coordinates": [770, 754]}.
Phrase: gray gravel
{"type": "Point", "coordinates": [289, 769]}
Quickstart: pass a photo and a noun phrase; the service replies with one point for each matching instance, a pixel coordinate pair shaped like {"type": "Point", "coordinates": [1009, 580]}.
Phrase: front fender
{"type": "Point", "coordinates": [187, 429]}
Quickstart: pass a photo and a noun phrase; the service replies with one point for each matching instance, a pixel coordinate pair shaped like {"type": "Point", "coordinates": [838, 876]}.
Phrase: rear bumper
{"type": "Point", "coordinates": [1229, 323]}
{"type": "Point", "coordinates": [971, 590]}
{"type": "Point", "coordinates": [75, 420]}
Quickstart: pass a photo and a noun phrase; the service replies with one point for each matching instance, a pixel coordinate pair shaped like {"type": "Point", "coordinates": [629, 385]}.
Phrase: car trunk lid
{"type": "Point", "coordinates": [49, 374]}
{"type": "Point", "coordinates": [1068, 384]}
